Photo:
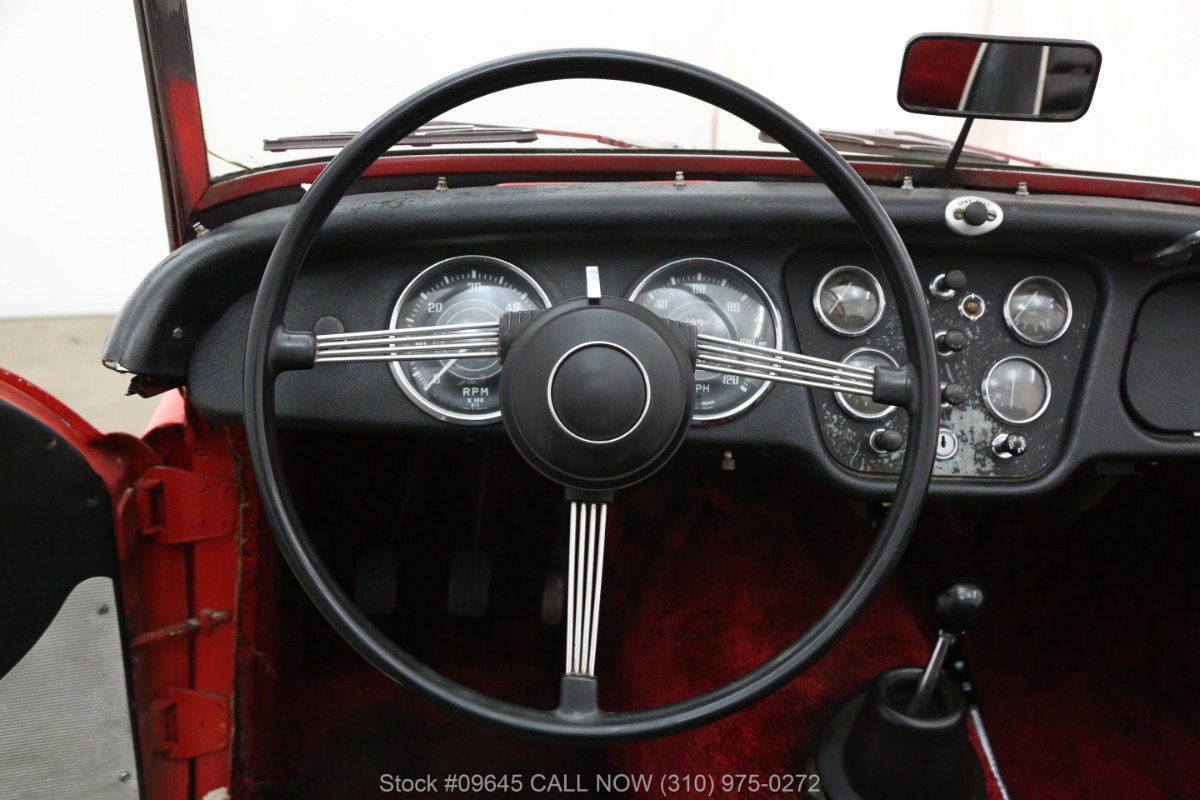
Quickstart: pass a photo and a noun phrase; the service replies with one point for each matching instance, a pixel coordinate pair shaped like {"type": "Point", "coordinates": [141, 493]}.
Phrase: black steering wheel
{"type": "Point", "coordinates": [660, 354]}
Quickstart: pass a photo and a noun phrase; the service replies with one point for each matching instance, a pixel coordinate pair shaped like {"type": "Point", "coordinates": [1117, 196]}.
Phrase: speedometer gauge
{"type": "Point", "coordinates": [464, 289]}
{"type": "Point", "coordinates": [720, 300]}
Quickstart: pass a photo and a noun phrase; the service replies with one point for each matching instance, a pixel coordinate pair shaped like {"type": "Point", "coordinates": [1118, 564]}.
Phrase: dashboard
{"type": "Point", "coordinates": [1035, 306]}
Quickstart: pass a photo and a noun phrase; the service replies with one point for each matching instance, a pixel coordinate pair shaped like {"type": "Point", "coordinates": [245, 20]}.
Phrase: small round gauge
{"type": "Point", "coordinates": [1016, 390]}
{"type": "Point", "coordinates": [463, 289]}
{"type": "Point", "coordinates": [861, 406]}
{"type": "Point", "coordinates": [1038, 310]}
{"type": "Point", "coordinates": [849, 301]}
{"type": "Point", "coordinates": [720, 300]}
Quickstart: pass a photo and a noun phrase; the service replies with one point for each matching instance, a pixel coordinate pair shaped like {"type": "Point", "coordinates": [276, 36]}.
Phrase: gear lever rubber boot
{"type": "Point", "coordinates": [874, 750]}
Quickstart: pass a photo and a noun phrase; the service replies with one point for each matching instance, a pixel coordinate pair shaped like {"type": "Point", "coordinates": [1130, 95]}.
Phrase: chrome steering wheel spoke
{"type": "Point", "coordinates": [466, 340]}
{"type": "Point", "coordinates": [585, 573]}
{"type": "Point", "coordinates": [770, 364]}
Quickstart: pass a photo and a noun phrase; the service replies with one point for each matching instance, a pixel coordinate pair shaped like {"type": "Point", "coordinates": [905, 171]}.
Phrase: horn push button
{"type": "Point", "coordinates": [596, 393]}
{"type": "Point", "coordinates": [599, 393]}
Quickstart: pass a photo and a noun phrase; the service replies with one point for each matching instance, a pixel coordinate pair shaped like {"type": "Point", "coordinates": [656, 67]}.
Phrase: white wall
{"type": "Point", "coordinates": [81, 216]}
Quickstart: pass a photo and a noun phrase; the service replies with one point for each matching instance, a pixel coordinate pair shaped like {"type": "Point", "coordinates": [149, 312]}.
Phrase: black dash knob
{"type": "Point", "coordinates": [887, 440]}
{"type": "Point", "coordinates": [954, 394]}
{"type": "Point", "coordinates": [952, 341]}
{"type": "Point", "coordinates": [954, 280]}
{"type": "Point", "coordinates": [976, 213]}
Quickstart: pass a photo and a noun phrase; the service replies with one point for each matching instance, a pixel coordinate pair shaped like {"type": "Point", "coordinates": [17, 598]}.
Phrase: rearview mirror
{"type": "Point", "coordinates": [997, 77]}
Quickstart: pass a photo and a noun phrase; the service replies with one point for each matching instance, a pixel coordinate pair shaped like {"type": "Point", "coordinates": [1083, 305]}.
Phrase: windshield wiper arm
{"type": "Point", "coordinates": [434, 133]}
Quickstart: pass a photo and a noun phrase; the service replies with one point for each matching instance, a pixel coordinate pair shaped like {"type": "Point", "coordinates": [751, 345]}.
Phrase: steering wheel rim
{"type": "Point", "coordinates": [261, 424]}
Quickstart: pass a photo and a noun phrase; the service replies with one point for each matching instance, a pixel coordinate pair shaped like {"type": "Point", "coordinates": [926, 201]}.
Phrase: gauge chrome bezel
{"type": "Point", "coordinates": [987, 400]}
{"type": "Point", "coordinates": [776, 319]}
{"type": "Point", "coordinates": [1012, 326]}
{"type": "Point", "coordinates": [828, 323]}
{"type": "Point", "coordinates": [397, 367]}
{"type": "Point", "coordinates": [840, 398]}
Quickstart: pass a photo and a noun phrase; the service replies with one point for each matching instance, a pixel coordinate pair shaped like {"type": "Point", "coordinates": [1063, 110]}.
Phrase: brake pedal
{"type": "Point", "coordinates": [471, 568]}
{"type": "Point", "coordinates": [376, 580]}
{"type": "Point", "coordinates": [554, 588]}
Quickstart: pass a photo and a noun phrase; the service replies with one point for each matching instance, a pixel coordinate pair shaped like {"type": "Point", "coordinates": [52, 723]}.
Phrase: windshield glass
{"type": "Point", "coordinates": [279, 68]}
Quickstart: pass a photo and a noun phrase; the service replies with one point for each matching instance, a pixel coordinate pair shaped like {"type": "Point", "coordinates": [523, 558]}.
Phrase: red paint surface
{"type": "Point", "coordinates": [188, 154]}
{"type": "Point", "coordinates": [169, 411]}
{"type": "Point", "coordinates": [731, 166]}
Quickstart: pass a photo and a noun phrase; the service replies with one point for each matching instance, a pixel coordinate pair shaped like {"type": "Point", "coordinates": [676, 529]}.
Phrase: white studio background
{"type": "Point", "coordinates": [81, 218]}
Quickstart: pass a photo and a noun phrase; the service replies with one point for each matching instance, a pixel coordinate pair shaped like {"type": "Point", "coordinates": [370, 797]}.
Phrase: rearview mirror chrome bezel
{"type": "Point", "coordinates": [951, 112]}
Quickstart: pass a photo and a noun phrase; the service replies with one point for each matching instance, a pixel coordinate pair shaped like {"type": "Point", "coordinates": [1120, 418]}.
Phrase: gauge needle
{"type": "Point", "coordinates": [840, 297]}
{"type": "Point", "coordinates": [438, 377]}
{"type": "Point", "coordinates": [1025, 307]}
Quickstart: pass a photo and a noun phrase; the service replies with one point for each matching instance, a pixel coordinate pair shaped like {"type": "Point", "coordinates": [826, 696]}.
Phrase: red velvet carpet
{"type": "Point", "coordinates": [1086, 665]}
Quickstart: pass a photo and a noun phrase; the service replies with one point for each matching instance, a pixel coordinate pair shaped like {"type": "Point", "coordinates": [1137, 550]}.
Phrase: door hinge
{"type": "Point", "coordinates": [187, 723]}
{"type": "Point", "coordinates": [176, 506]}
{"type": "Point", "coordinates": [204, 622]}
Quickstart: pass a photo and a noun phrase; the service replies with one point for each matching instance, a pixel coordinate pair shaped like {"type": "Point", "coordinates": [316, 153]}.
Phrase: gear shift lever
{"type": "Point", "coordinates": [906, 737]}
{"type": "Point", "coordinates": [955, 610]}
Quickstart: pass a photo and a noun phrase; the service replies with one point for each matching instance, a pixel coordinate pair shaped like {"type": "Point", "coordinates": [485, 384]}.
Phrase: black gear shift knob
{"type": "Point", "coordinates": [958, 607]}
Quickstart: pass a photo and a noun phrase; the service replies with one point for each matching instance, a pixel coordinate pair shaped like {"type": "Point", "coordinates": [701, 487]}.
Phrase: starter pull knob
{"type": "Point", "coordinates": [1007, 445]}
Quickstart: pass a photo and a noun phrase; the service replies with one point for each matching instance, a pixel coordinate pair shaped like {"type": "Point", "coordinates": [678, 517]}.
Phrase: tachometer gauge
{"type": "Point", "coordinates": [861, 406]}
{"type": "Point", "coordinates": [848, 301]}
{"type": "Point", "coordinates": [1016, 390]}
{"type": "Point", "coordinates": [720, 300]}
{"type": "Point", "coordinates": [1038, 310]}
{"type": "Point", "coordinates": [464, 289]}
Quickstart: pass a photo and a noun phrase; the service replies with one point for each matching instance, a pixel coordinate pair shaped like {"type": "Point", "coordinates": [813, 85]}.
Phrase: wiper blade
{"type": "Point", "coordinates": [435, 133]}
{"type": "Point", "coordinates": [446, 132]}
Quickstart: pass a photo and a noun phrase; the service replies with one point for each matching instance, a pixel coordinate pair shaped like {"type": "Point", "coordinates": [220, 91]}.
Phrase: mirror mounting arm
{"type": "Point", "coordinates": [955, 153]}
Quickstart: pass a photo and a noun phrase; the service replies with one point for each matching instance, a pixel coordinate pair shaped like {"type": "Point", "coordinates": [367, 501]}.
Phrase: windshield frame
{"type": "Point", "coordinates": [189, 189]}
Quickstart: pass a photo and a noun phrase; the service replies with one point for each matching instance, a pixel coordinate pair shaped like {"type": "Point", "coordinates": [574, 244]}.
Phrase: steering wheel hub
{"type": "Point", "coordinates": [597, 394]}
